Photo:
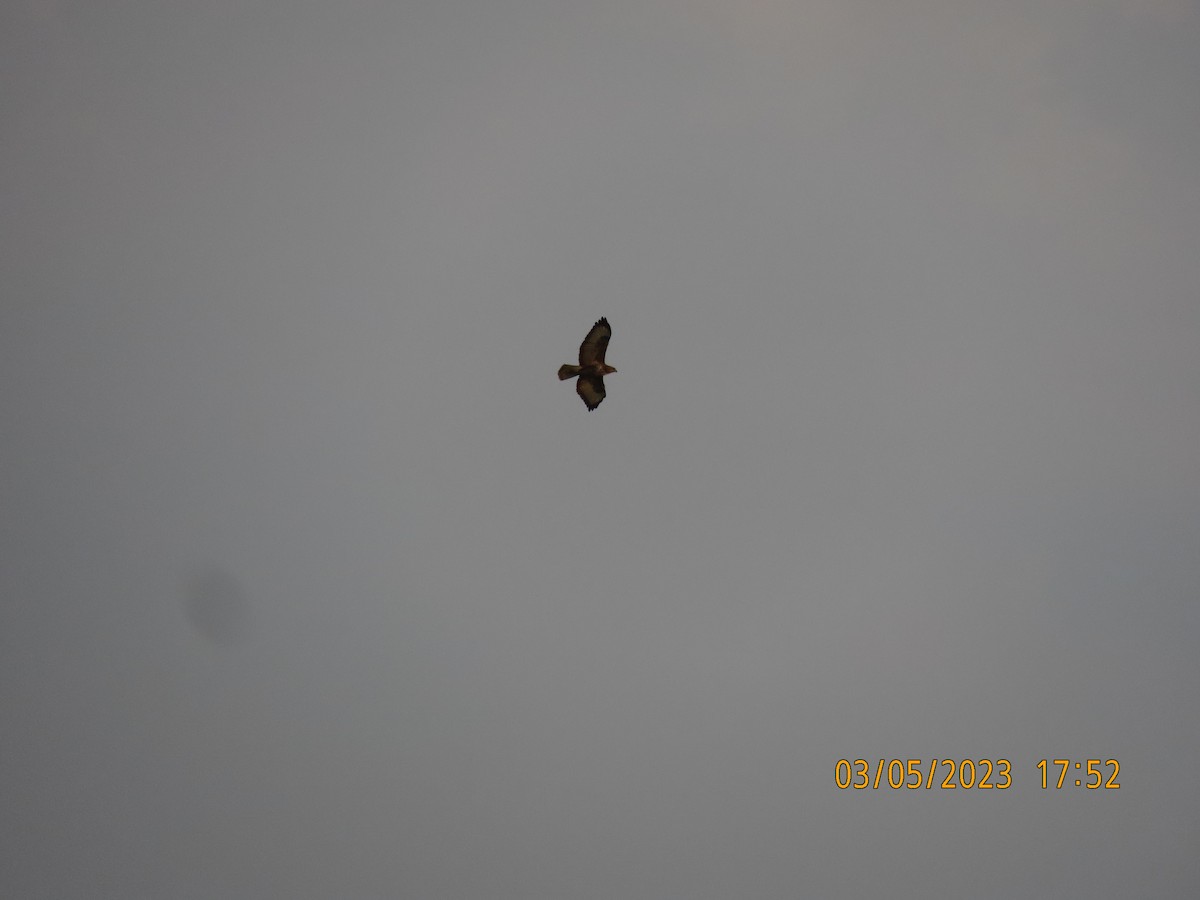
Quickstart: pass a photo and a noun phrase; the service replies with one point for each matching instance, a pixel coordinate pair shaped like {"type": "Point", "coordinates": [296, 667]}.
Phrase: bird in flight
{"type": "Point", "coordinates": [591, 369]}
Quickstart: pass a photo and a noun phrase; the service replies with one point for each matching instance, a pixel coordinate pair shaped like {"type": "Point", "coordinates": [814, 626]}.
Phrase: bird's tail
{"type": "Point", "coordinates": [567, 372]}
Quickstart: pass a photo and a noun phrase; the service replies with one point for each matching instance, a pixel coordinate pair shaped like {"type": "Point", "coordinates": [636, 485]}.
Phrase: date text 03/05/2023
{"type": "Point", "coordinates": [981, 774]}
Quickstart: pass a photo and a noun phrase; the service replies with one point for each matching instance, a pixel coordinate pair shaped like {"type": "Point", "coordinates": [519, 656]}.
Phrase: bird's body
{"type": "Point", "coordinates": [592, 368]}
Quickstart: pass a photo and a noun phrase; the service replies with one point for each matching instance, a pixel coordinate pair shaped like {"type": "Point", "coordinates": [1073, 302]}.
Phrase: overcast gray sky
{"type": "Point", "coordinates": [317, 583]}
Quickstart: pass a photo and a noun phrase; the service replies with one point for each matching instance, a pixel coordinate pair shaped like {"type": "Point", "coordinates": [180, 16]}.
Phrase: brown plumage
{"type": "Point", "coordinates": [591, 369]}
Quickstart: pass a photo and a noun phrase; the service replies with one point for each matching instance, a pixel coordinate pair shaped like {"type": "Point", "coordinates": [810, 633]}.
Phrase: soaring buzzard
{"type": "Point", "coordinates": [591, 369]}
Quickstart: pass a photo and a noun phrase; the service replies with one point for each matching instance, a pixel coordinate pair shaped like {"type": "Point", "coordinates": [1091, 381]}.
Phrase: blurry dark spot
{"type": "Point", "coordinates": [216, 605]}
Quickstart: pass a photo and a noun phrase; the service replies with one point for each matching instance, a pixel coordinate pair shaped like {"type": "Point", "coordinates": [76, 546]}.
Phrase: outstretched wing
{"type": "Point", "coordinates": [590, 387]}
{"type": "Point", "coordinates": [592, 349]}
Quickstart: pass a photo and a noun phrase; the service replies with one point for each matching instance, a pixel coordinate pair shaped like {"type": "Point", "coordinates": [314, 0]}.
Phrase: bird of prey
{"type": "Point", "coordinates": [591, 369]}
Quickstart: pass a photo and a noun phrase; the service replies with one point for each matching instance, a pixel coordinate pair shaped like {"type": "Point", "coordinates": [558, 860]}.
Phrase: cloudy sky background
{"type": "Point", "coordinates": [315, 581]}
